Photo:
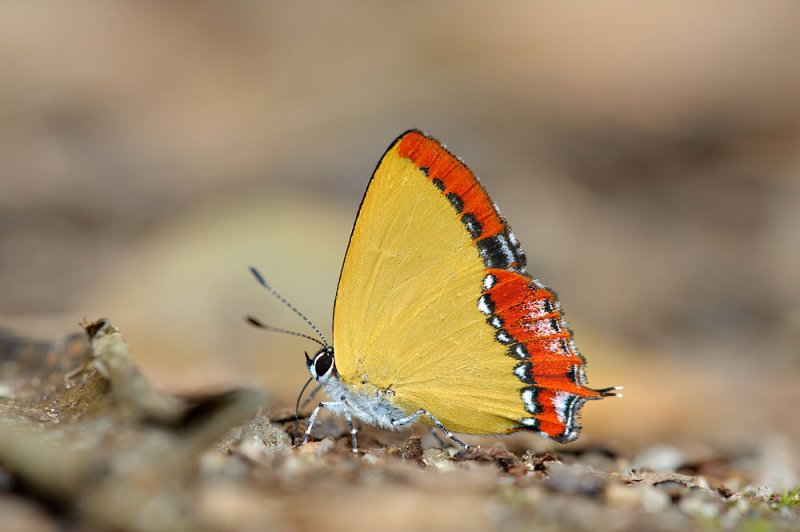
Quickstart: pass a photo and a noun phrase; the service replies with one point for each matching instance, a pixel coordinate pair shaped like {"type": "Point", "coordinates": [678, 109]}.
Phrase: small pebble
{"type": "Point", "coordinates": [437, 459]}
{"type": "Point", "coordinates": [412, 450]}
{"type": "Point", "coordinates": [371, 459]}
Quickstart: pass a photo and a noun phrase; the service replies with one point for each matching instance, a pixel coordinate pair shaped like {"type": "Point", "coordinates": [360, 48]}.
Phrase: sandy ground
{"type": "Point", "coordinates": [87, 443]}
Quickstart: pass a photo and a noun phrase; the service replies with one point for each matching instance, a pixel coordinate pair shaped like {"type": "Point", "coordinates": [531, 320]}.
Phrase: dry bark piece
{"type": "Point", "coordinates": [130, 388]}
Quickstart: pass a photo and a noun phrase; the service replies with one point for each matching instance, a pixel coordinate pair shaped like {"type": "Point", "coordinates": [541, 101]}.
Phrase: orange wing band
{"type": "Point", "coordinates": [529, 321]}
{"type": "Point", "coordinates": [495, 242]}
{"type": "Point", "coordinates": [456, 178]}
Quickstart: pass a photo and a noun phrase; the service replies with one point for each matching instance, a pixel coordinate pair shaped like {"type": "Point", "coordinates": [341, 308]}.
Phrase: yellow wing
{"type": "Point", "coordinates": [406, 317]}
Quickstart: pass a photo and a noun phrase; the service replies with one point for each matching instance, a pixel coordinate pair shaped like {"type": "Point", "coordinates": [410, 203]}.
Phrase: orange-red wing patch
{"type": "Point", "coordinates": [490, 233]}
{"type": "Point", "coordinates": [529, 321]}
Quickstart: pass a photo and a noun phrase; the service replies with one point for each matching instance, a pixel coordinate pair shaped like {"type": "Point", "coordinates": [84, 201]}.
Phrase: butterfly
{"type": "Point", "coordinates": [435, 318]}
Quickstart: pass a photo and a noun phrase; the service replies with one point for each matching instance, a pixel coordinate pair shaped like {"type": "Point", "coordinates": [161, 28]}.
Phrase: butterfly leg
{"type": "Point", "coordinates": [313, 418]}
{"type": "Point", "coordinates": [413, 417]}
{"type": "Point", "coordinates": [353, 430]}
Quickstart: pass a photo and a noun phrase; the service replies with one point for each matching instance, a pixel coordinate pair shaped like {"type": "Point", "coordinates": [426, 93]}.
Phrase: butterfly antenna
{"type": "Point", "coordinates": [283, 300]}
{"type": "Point", "coordinates": [311, 396]}
{"type": "Point", "coordinates": [255, 322]}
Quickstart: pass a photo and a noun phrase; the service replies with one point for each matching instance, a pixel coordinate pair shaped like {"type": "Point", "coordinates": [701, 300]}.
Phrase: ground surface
{"type": "Point", "coordinates": [86, 443]}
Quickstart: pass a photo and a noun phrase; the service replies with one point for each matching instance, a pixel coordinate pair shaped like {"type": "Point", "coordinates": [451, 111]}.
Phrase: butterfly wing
{"type": "Point", "coordinates": [433, 304]}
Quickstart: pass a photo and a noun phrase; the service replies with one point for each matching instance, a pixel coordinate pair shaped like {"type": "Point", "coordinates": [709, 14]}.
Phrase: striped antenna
{"type": "Point", "coordinates": [280, 298]}
{"type": "Point", "coordinates": [255, 322]}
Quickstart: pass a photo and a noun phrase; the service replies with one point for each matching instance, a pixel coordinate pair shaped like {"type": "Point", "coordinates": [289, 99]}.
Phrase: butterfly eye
{"type": "Point", "coordinates": [323, 364]}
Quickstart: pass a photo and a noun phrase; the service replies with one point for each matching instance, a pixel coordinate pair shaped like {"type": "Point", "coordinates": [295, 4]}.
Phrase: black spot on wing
{"type": "Point", "coordinates": [473, 225]}
{"type": "Point", "coordinates": [571, 373]}
{"type": "Point", "coordinates": [522, 260]}
{"type": "Point", "coordinates": [456, 201]}
{"type": "Point", "coordinates": [565, 347]}
{"type": "Point", "coordinates": [519, 352]}
{"type": "Point", "coordinates": [503, 337]}
{"type": "Point", "coordinates": [497, 252]}
{"type": "Point", "coordinates": [486, 304]}
{"type": "Point", "coordinates": [529, 423]}
{"type": "Point", "coordinates": [573, 404]}
{"type": "Point", "coordinates": [495, 321]}
{"type": "Point", "coordinates": [530, 399]}
{"type": "Point", "coordinates": [524, 371]}
{"type": "Point", "coordinates": [574, 374]}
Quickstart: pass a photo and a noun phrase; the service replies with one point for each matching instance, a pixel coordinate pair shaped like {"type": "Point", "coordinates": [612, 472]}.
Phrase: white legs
{"type": "Point", "coordinates": [413, 417]}
{"type": "Point", "coordinates": [347, 417]}
{"type": "Point", "coordinates": [345, 408]}
{"type": "Point", "coordinates": [313, 418]}
{"type": "Point", "coordinates": [353, 430]}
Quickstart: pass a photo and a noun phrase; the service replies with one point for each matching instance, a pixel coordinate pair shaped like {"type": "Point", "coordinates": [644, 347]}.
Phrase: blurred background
{"type": "Point", "coordinates": [647, 159]}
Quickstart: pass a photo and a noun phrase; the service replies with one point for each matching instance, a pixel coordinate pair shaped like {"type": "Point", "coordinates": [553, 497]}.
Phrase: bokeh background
{"type": "Point", "coordinates": [646, 156]}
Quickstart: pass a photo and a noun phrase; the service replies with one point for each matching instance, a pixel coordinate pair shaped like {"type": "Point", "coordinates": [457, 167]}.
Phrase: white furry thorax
{"type": "Point", "coordinates": [368, 404]}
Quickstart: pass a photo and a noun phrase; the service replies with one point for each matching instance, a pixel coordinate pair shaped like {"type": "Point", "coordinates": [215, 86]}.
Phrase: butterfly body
{"type": "Point", "coordinates": [366, 402]}
{"type": "Point", "coordinates": [435, 317]}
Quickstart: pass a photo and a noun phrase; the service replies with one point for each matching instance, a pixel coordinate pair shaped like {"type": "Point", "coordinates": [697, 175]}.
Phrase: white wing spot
{"type": "Point", "coordinates": [503, 337]}
{"type": "Point", "coordinates": [483, 305]}
{"type": "Point", "coordinates": [529, 399]}
{"type": "Point", "coordinates": [521, 371]}
{"type": "Point", "coordinates": [521, 352]}
{"type": "Point", "coordinates": [560, 403]}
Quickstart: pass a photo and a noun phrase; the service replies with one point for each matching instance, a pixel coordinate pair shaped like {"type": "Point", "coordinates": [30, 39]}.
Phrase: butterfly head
{"type": "Point", "coordinates": [322, 366]}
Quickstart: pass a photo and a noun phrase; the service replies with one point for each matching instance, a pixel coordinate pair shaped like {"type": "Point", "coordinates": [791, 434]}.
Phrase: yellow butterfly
{"type": "Point", "coordinates": [436, 319]}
